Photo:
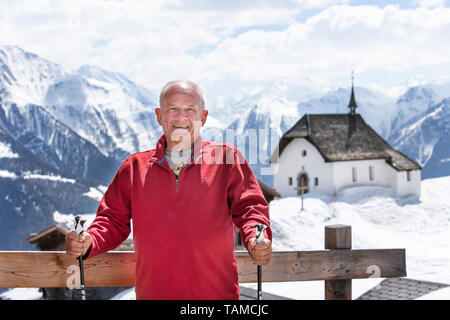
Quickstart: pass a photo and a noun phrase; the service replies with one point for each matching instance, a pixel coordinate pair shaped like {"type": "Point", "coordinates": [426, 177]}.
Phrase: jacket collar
{"type": "Point", "coordinates": [159, 155]}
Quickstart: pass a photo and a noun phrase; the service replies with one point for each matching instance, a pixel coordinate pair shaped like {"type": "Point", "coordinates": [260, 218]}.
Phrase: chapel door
{"type": "Point", "coordinates": [302, 183]}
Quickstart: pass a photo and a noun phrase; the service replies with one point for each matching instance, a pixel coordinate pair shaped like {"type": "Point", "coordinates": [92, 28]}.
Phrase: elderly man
{"type": "Point", "coordinates": [184, 197]}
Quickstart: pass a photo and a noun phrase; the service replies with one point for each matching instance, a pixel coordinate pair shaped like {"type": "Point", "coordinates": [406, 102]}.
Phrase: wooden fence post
{"type": "Point", "coordinates": [338, 237]}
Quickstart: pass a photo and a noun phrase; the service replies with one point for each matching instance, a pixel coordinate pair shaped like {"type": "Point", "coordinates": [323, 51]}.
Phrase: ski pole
{"type": "Point", "coordinates": [79, 228]}
{"type": "Point", "coordinates": [259, 230]}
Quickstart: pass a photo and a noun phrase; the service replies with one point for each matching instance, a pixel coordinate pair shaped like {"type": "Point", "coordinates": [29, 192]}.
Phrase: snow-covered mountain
{"type": "Point", "coordinates": [417, 101]}
{"type": "Point", "coordinates": [421, 127]}
{"type": "Point", "coordinates": [54, 142]}
{"type": "Point", "coordinates": [377, 108]}
{"type": "Point", "coordinates": [79, 125]}
{"type": "Point", "coordinates": [25, 77]}
{"type": "Point", "coordinates": [426, 139]}
{"type": "Point", "coordinates": [416, 123]}
{"type": "Point", "coordinates": [271, 111]}
{"type": "Point", "coordinates": [116, 116]}
{"type": "Point", "coordinates": [62, 133]}
{"type": "Point", "coordinates": [31, 190]}
{"type": "Point", "coordinates": [439, 163]}
{"type": "Point", "coordinates": [104, 108]}
{"type": "Point", "coordinates": [257, 131]}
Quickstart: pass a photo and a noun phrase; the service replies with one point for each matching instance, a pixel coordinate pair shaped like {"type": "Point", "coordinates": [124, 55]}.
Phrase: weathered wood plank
{"type": "Point", "coordinates": [43, 269]}
{"type": "Point", "coordinates": [326, 265]}
{"type": "Point", "coordinates": [338, 237]}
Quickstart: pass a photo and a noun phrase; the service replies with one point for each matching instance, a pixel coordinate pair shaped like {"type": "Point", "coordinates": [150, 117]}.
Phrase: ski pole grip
{"type": "Point", "coordinates": [259, 231]}
{"type": "Point", "coordinates": [79, 225]}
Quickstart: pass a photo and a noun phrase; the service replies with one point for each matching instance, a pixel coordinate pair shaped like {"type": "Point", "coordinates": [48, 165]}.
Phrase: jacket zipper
{"type": "Point", "coordinates": [176, 178]}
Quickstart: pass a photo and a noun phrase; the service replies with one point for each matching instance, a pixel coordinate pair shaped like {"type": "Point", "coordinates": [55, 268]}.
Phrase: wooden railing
{"type": "Point", "coordinates": [337, 265]}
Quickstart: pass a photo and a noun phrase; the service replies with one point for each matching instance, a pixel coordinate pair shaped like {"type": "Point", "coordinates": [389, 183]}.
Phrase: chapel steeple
{"type": "Point", "coordinates": [352, 104]}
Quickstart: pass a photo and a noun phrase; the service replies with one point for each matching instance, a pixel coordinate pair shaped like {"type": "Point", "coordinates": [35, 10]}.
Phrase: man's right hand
{"type": "Point", "coordinates": [77, 245]}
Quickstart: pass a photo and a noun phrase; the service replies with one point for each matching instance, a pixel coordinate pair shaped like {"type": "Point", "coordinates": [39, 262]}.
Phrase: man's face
{"type": "Point", "coordinates": [181, 117]}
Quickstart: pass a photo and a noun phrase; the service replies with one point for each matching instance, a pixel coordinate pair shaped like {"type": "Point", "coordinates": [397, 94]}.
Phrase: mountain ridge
{"type": "Point", "coordinates": [75, 128]}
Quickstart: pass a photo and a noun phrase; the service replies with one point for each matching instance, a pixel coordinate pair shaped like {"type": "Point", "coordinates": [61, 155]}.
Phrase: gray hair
{"type": "Point", "coordinates": [184, 85]}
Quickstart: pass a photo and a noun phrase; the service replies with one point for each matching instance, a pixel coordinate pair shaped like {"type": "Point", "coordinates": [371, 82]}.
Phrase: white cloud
{"type": "Point", "coordinates": [430, 3]}
{"type": "Point", "coordinates": [337, 40]}
{"type": "Point", "coordinates": [229, 48]}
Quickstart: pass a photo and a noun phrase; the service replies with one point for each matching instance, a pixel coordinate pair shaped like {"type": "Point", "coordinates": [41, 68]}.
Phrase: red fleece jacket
{"type": "Point", "coordinates": [182, 231]}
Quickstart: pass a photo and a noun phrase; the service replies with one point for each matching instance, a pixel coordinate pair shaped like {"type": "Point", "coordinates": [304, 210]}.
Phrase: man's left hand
{"type": "Point", "coordinates": [261, 253]}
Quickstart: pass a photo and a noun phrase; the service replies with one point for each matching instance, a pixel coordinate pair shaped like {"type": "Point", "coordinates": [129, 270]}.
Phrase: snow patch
{"type": "Point", "coordinates": [7, 174]}
{"type": "Point", "coordinates": [128, 294]}
{"type": "Point", "coordinates": [29, 175]}
{"type": "Point", "coordinates": [95, 193]}
{"type": "Point", "coordinates": [6, 152]}
{"type": "Point", "coordinates": [379, 219]}
{"type": "Point", "coordinates": [21, 294]}
{"type": "Point", "coordinates": [441, 294]}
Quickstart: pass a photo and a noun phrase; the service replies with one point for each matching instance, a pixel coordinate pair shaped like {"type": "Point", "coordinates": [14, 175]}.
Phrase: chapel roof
{"type": "Point", "coordinates": [343, 137]}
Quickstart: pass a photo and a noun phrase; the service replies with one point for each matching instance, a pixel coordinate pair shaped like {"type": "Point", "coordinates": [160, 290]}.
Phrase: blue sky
{"type": "Point", "coordinates": [233, 48]}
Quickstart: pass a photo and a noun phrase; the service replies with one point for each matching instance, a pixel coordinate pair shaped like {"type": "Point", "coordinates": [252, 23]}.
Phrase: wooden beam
{"type": "Point", "coordinates": [325, 265]}
{"type": "Point", "coordinates": [44, 269]}
{"type": "Point", "coordinates": [52, 269]}
{"type": "Point", "coordinates": [338, 237]}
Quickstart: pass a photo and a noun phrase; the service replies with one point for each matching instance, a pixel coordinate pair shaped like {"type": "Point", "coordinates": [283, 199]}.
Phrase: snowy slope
{"type": "Point", "coordinates": [417, 100]}
{"type": "Point", "coordinates": [419, 137]}
{"type": "Point", "coordinates": [421, 128]}
{"type": "Point", "coordinates": [266, 112]}
{"type": "Point", "coordinates": [439, 163]}
{"type": "Point", "coordinates": [54, 143]}
{"type": "Point", "coordinates": [107, 109]}
{"type": "Point", "coordinates": [25, 77]}
{"type": "Point", "coordinates": [104, 108]}
{"type": "Point", "coordinates": [31, 190]}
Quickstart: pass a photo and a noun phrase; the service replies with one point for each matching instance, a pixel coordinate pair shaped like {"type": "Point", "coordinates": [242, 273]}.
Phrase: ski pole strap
{"type": "Point", "coordinates": [79, 225]}
{"type": "Point", "coordinates": [259, 231]}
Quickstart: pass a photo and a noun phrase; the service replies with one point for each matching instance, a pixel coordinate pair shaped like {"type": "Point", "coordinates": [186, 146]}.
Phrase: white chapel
{"type": "Point", "coordinates": [324, 153]}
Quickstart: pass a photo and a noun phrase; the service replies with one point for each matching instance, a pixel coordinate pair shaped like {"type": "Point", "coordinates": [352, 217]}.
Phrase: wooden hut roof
{"type": "Point", "coordinates": [44, 233]}
{"type": "Point", "coordinates": [268, 190]}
